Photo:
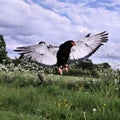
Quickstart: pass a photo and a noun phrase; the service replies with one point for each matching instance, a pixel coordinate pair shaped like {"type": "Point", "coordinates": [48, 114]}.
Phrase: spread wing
{"type": "Point", "coordinates": [86, 47]}
{"type": "Point", "coordinates": [42, 53]}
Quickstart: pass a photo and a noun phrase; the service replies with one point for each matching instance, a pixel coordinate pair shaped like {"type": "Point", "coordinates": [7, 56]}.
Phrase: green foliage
{"type": "Point", "coordinates": [59, 97]}
{"type": "Point", "coordinates": [3, 53]}
{"type": "Point", "coordinates": [85, 68]}
{"type": "Point", "coordinates": [81, 68]}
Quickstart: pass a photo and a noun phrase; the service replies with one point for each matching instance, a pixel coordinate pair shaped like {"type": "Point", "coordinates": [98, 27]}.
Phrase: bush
{"type": "Point", "coordinates": [3, 52]}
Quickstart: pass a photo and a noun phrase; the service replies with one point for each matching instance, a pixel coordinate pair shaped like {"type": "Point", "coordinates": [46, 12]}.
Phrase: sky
{"type": "Point", "coordinates": [27, 22]}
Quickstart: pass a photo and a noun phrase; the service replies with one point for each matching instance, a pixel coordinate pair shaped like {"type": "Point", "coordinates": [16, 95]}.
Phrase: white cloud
{"type": "Point", "coordinates": [12, 12]}
{"type": "Point", "coordinates": [25, 23]}
{"type": "Point", "coordinates": [111, 3]}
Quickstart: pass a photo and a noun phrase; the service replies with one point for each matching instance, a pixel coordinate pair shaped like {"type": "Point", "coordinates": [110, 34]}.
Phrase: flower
{"type": "Point", "coordinates": [66, 105]}
{"type": "Point", "coordinates": [59, 104]}
{"type": "Point", "coordinates": [94, 109]}
{"type": "Point", "coordinates": [116, 81]}
{"type": "Point", "coordinates": [117, 88]}
{"type": "Point", "coordinates": [104, 104]}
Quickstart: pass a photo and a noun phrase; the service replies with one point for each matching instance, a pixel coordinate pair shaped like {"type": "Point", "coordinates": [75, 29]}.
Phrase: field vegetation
{"type": "Point", "coordinates": [85, 93]}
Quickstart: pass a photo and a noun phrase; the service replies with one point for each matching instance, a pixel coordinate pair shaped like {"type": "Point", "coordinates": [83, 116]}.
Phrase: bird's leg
{"type": "Point", "coordinates": [60, 69]}
{"type": "Point", "coordinates": [66, 68]}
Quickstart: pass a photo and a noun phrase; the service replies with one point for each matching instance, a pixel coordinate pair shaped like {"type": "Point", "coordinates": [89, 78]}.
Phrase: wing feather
{"type": "Point", "coordinates": [87, 46]}
{"type": "Point", "coordinates": [42, 53]}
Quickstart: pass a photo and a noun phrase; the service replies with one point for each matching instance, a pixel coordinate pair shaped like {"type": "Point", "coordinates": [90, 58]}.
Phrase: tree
{"type": "Point", "coordinates": [3, 52]}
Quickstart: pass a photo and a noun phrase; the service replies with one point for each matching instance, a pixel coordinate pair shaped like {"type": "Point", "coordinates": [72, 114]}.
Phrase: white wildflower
{"type": "Point", "coordinates": [116, 81]}
{"type": "Point", "coordinates": [94, 109]}
{"type": "Point", "coordinates": [117, 88]}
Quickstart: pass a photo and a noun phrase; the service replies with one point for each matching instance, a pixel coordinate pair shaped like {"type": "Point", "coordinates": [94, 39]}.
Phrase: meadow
{"type": "Point", "coordinates": [59, 97]}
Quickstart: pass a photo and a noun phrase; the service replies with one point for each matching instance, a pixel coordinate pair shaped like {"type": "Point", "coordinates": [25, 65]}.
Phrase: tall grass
{"type": "Point", "coordinates": [59, 97]}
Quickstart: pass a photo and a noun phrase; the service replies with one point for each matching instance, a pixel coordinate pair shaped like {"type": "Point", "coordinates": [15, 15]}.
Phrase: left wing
{"type": "Point", "coordinates": [88, 46]}
{"type": "Point", "coordinates": [42, 53]}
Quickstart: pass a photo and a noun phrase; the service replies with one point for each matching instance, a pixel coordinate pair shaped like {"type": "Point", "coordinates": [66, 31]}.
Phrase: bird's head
{"type": "Point", "coordinates": [70, 43]}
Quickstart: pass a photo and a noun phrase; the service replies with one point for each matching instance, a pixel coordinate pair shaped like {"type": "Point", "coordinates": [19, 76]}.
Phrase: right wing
{"type": "Point", "coordinates": [88, 46]}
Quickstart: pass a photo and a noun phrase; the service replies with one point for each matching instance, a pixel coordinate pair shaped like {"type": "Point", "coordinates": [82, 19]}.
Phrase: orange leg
{"type": "Point", "coordinates": [60, 70]}
{"type": "Point", "coordinates": [65, 68]}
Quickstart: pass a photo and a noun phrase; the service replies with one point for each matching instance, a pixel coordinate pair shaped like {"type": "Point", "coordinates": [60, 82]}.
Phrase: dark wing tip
{"type": "Point", "coordinates": [42, 42]}
{"type": "Point", "coordinates": [104, 36]}
{"type": "Point", "coordinates": [88, 35]}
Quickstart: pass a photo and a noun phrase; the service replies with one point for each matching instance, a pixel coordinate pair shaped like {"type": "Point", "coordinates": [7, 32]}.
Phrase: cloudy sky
{"type": "Point", "coordinates": [26, 22]}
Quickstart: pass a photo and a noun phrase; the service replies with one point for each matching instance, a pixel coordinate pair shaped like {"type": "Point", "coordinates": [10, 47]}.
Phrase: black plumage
{"type": "Point", "coordinates": [64, 52]}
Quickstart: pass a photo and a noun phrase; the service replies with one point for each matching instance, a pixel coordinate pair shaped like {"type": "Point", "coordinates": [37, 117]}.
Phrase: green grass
{"type": "Point", "coordinates": [59, 97]}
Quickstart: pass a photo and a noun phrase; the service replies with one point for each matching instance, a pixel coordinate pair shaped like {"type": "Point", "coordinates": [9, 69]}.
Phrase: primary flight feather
{"type": "Point", "coordinates": [49, 55]}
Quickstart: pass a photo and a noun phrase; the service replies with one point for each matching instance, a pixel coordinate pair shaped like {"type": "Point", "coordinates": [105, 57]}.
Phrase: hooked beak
{"type": "Point", "coordinates": [73, 43]}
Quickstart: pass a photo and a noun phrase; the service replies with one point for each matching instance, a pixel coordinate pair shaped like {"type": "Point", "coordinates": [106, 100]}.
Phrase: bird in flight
{"type": "Point", "coordinates": [49, 55]}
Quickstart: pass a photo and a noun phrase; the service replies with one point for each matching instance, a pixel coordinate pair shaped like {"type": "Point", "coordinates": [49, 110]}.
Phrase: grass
{"type": "Point", "coordinates": [59, 97]}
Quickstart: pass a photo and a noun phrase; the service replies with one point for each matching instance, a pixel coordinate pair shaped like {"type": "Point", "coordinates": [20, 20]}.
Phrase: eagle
{"type": "Point", "coordinates": [72, 51]}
